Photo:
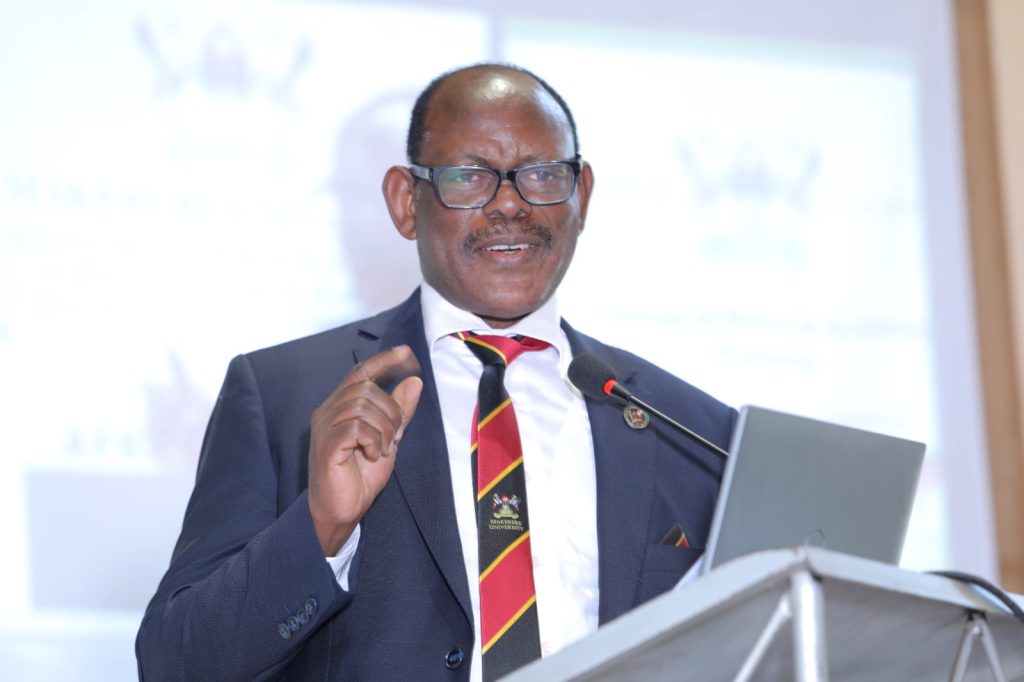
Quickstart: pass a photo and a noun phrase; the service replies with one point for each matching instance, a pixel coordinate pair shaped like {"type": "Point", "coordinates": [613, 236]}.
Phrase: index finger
{"type": "Point", "coordinates": [388, 367]}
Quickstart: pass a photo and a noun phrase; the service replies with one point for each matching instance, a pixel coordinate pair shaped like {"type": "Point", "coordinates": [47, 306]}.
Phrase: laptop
{"type": "Point", "coordinates": [793, 481]}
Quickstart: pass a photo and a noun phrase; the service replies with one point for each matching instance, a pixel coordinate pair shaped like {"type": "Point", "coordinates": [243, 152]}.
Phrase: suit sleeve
{"type": "Point", "coordinates": [248, 583]}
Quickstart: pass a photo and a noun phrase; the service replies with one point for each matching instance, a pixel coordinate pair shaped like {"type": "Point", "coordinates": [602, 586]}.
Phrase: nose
{"type": "Point", "coordinates": [507, 203]}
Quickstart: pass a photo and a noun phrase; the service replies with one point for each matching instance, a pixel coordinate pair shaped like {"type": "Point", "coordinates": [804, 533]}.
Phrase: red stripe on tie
{"type": "Point", "coordinates": [502, 435]}
{"type": "Point", "coordinates": [508, 586]}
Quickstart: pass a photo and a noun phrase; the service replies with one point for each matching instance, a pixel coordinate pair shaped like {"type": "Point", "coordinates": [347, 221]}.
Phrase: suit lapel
{"type": "Point", "coordinates": [624, 460]}
{"type": "Point", "coordinates": [421, 468]}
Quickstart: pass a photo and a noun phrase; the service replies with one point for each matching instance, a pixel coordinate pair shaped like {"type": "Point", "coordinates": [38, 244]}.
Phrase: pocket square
{"type": "Point", "coordinates": [676, 537]}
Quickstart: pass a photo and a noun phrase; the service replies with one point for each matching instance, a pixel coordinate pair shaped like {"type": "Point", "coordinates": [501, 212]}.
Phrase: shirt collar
{"type": "Point", "coordinates": [441, 318]}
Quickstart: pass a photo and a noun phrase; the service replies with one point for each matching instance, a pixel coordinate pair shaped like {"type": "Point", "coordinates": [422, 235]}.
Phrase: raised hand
{"type": "Point", "coordinates": [354, 437]}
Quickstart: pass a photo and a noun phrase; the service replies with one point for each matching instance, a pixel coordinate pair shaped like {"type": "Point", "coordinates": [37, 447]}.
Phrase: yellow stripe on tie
{"type": "Point", "coordinates": [494, 564]}
{"type": "Point", "coordinates": [494, 413]}
{"type": "Point", "coordinates": [512, 621]}
{"type": "Point", "coordinates": [473, 339]}
{"type": "Point", "coordinates": [497, 479]}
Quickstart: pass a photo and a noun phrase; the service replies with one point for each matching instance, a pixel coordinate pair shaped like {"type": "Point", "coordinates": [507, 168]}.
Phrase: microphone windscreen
{"type": "Point", "coordinates": [589, 374]}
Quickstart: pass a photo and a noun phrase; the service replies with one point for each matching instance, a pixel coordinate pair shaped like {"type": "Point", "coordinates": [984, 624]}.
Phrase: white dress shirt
{"type": "Point", "coordinates": [558, 459]}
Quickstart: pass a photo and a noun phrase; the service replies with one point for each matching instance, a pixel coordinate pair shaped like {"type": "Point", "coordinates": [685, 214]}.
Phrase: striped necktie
{"type": "Point", "coordinates": [509, 630]}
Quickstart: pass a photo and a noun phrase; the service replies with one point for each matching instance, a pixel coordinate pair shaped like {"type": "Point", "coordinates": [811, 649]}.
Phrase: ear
{"type": "Point", "coordinates": [586, 185]}
{"type": "Point", "coordinates": [400, 196]}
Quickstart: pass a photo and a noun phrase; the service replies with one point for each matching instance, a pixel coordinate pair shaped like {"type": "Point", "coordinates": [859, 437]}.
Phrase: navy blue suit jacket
{"type": "Point", "coordinates": [248, 559]}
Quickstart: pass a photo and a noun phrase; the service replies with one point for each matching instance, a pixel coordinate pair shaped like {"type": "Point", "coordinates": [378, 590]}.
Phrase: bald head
{"type": "Point", "coordinates": [464, 90]}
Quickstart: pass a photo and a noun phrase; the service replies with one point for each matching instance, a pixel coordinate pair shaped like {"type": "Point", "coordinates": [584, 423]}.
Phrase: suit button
{"type": "Point", "coordinates": [454, 658]}
{"type": "Point", "coordinates": [310, 606]}
{"type": "Point", "coordinates": [293, 623]}
{"type": "Point", "coordinates": [284, 631]}
{"type": "Point", "coordinates": [302, 617]}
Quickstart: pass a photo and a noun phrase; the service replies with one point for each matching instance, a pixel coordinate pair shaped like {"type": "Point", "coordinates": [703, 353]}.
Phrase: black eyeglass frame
{"type": "Point", "coordinates": [431, 173]}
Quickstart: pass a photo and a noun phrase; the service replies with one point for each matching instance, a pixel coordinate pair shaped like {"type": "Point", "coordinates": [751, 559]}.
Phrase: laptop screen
{"type": "Point", "coordinates": [793, 481]}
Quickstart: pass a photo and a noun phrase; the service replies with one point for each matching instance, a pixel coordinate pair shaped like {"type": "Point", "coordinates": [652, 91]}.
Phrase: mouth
{"type": "Point", "coordinates": [504, 239]}
{"type": "Point", "coordinates": [508, 248]}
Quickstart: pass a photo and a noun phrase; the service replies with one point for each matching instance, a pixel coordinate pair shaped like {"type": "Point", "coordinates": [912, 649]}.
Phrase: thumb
{"type": "Point", "coordinates": [407, 395]}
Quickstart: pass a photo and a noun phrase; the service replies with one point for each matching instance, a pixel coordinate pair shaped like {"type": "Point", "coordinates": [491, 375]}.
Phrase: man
{"type": "Point", "coordinates": [345, 545]}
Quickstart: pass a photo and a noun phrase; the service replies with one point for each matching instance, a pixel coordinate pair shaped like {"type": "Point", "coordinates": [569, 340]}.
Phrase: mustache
{"type": "Point", "coordinates": [515, 226]}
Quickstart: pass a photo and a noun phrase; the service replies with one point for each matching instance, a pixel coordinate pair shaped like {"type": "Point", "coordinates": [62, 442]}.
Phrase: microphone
{"type": "Point", "coordinates": [595, 378]}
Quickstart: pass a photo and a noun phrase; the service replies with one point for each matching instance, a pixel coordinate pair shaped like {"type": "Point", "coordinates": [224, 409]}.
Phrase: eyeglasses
{"type": "Point", "coordinates": [540, 184]}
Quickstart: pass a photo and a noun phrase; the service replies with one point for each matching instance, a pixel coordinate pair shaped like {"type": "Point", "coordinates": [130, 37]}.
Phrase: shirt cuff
{"type": "Point", "coordinates": [341, 562]}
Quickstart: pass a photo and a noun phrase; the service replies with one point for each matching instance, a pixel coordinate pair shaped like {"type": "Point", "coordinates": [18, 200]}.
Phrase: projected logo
{"type": "Point", "coordinates": [220, 59]}
{"type": "Point", "coordinates": [754, 194]}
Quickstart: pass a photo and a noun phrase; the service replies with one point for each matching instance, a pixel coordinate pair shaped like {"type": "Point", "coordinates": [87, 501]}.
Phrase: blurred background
{"type": "Point", "coordinates": [780, 216]}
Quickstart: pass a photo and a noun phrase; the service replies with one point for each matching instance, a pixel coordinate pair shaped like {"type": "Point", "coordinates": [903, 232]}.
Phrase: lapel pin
{"type": "Point", "coordinates": [636, 418]}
